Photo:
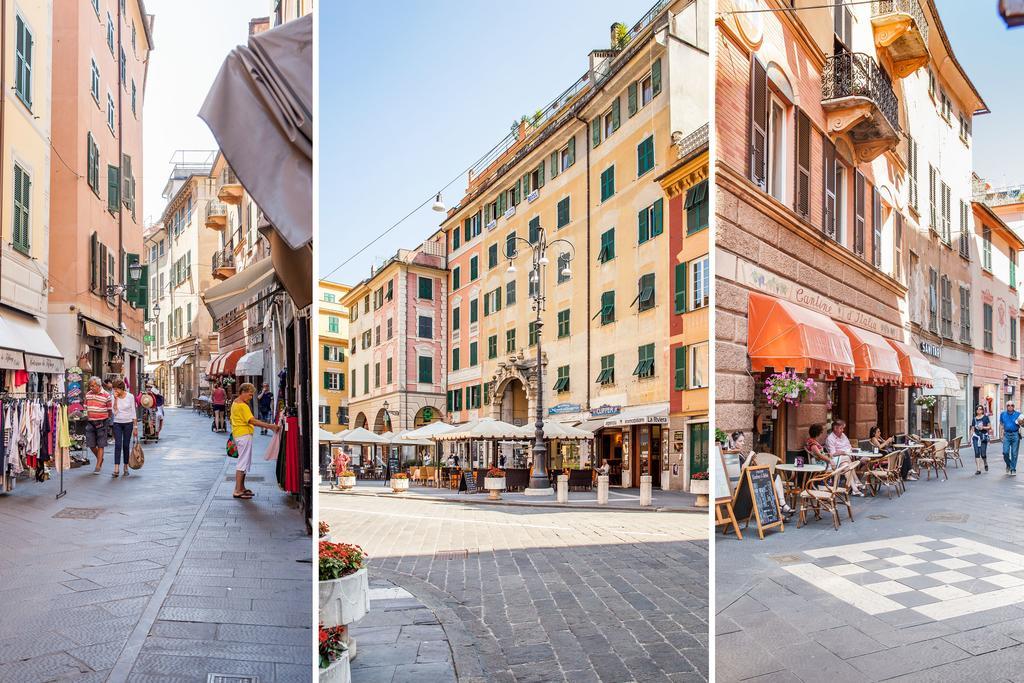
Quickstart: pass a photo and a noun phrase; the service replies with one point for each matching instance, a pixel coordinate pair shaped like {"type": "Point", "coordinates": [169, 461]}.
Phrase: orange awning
{"type": "Point", "coordinates": [225, 363]}
{"type": "Point", "coordinates": [914, 366]}
{"type": "Point", "coordinates": [876, 362]}
{"type": "Point", "coordinates": [781, 334]}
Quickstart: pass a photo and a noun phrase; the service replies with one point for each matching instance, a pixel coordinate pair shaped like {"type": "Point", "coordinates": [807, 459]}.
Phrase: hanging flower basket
{"type": "Point", "coordinates": [926, 402]}
{"type": "Point", "coordinates": [787, 388]}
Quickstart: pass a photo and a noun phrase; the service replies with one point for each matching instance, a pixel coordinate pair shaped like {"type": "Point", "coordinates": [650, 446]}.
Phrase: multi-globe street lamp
{"type": "Point", "coordinates": [540, 483]}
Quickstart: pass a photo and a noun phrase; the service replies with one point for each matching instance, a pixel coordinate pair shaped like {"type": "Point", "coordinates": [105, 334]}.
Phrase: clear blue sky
{"type": "Point", "coordinates": [993, 57]}
{"type": "Point", "coordinates": [412, 93]}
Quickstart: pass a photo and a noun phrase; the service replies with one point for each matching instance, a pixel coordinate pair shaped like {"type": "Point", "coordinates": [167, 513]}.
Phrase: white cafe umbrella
{"type": "Point", "coordinates": [945, 383]}
{"type": "Point", "coordinates": [484, 428]}
{"type": "Point", "coordinates": [429, 431]}
{"type": "Point", "coordinates": [403, 439]}
{"type": "Point", "coordinates": [361, 435]}
{"type": "Point", "coordinates": [330, 437]}
{"type": "Point", "coordinates": [556, 430]}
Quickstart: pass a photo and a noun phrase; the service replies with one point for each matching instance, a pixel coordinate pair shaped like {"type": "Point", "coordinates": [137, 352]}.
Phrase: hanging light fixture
{"type": "Point", "coordinates": [438, 204]}
{"type": "Point", "coordinates": [511, 268]}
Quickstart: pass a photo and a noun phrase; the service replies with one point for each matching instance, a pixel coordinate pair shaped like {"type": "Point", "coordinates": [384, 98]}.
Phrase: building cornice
{"type": "Point", "coordinates": [685, 175]}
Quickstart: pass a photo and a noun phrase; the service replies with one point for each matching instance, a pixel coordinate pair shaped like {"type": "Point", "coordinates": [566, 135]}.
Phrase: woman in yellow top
{"type": "Point", "coordinates": [242, 428]}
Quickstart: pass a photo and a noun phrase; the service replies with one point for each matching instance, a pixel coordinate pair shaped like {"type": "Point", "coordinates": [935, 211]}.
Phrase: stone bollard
{"type": "Point", "coordinates": [645, 490]}
{"type": "Point", "coordinates": [563, 488]}
{"type": "Point", "coordinates": [602, 489]}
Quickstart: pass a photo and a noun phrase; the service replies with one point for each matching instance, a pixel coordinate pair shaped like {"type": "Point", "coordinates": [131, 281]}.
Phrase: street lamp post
{"type": "Point", "coordinates": [540, 483]}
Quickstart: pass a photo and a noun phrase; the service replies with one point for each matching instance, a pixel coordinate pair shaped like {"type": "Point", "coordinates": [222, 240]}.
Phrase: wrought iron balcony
{"type": "Point", "coordinates": [229, 189]}
{"type": "Point", "coordinates": [216, 215]}
{"type": "Point", "coordinates": [901, 30]}
{"type": "Point", "coordinates": [859, 103]}
{"type": "Point", "coordinates": [224, 263]}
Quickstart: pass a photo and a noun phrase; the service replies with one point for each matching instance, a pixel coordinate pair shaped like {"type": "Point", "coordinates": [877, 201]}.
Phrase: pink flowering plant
{"type": "Point", "coordinates": [787, 388]}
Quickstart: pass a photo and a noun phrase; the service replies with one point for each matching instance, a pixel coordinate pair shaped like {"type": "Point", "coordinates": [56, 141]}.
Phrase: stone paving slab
{"type": "Point", "coordinates": [923, 587]}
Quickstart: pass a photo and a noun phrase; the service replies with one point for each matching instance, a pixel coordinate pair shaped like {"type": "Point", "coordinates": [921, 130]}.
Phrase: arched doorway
{"type": "Point", "coordinates": [360, 421]}
{"type": "Point", "coordinates": [513, 403]}
{"type": "Point", "coordinates": [426, 415]}
{"type": "Point", "coordinates": [382, 423]}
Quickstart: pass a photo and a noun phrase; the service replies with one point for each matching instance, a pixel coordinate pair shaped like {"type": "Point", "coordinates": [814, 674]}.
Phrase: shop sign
{"type": "Point", "coordinates": [11, 360]}
{"type": "Point", "coordinates": [930, 348]}
{"type": "Point", "coordinates": [148, 338]}
{"type": "Point", "coordinates": [605, 411]}
{"type": "Point", "coordinates": [639, 420]}
{"type": "Point", "coordinates": [43, 364]}
{"type": "Point", "coordinates": [562, 408]}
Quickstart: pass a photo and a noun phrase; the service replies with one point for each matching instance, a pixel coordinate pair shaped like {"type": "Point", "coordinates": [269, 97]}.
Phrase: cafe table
{"type": "Point", "coordinates": [796, 477]}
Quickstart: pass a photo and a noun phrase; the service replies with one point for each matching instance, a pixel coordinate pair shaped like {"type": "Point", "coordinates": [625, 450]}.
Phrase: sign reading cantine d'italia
{"type": "Point", "coordinates": [755, 277]}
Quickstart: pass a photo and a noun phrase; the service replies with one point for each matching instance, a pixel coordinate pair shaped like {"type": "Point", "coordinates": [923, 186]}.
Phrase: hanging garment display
{"type": "Point", "coordinates": [292, 477]}
{"type": "Point", "coordinates": [275, 442]}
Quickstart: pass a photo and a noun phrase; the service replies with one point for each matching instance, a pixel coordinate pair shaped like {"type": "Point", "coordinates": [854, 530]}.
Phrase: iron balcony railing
{"type": "Point", "coordinates": [880, 8]}
{"type": "Point", "coordinates": [216, 209]}
{"type": "Point", "coordinates": [855, 74]}
{"type": "Point", "coordinates": [228, 177]}
{"type": "Point", "coordinates": [223, 259]}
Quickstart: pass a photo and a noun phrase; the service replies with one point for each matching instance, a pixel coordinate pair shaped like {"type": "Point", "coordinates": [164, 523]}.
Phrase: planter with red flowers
{"type": "Point", "coordinates": [347, 480]}
{"type": "Point", "coordinates": [344, 586]}
{"type": "Point", "coordinates": [399, 482]}
{"type": "Point", "coordinates": [494, 482]}
{"type": "Point", "coordinates": [325, 531]}
{"type": "Point", "coordinates": [700, 485]}
{"type": "Point", "coordinates": [334, 655]}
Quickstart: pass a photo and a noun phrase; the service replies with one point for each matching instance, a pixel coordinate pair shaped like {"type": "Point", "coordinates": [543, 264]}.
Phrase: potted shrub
{"type": "Point", "coordinates": [494, 482]}
{"type": "Point", "coordinates": [344, 587]}
{"type": "Point", "coordinates": [700, 485]}
{"type": "Point", "coordinates": [720, 436]}
{"type": "Point", "coordinates": [347, 479]}
{"type": "Point", "coordinates": [399, 482]}
{"type": "Point", "coordinates": [325, 531]}
{"type": "Point", "coordinates": [334, 664]}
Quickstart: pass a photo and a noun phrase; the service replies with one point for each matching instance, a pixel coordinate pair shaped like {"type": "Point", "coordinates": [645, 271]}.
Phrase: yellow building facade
{"type": "Point", "coordinates": [333, 341]}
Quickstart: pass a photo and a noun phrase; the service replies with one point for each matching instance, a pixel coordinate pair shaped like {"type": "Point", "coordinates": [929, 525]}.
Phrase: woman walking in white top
{"type": "Point", "coordinates": [124, 425]}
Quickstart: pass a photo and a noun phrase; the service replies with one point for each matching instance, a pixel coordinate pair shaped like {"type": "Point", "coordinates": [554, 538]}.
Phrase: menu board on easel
{"type": "Point", "coordinates": [755, 497]}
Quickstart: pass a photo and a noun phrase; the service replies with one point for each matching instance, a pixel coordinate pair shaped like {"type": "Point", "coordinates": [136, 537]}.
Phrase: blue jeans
{"type": "Point", "coordinates": [122, 441]}
{"type": "Point", "coordinates": [1011, 444]}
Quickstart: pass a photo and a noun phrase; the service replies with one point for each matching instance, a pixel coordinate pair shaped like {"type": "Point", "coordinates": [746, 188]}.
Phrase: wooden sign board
{"type": "Point", "coordinates": [755, 497]}
{"type": "Point", "coordinates": [724, 515]}
{"type": "Point", "coordinates": [468, 482]}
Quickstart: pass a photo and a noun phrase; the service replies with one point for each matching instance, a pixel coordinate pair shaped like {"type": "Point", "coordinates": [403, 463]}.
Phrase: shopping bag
{"type": "Point", "coordinates": [231, 448]}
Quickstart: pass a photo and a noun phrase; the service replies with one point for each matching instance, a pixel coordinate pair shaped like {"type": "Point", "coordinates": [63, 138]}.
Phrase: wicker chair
{"type": "Point", "coordinates": [888, 476]}
{"type": "Point", "coordinates": [825, 492]}
{"type": "Point", "coordinates": [953, 451]}
{"type": "Point", "coordinates": [934, 459]}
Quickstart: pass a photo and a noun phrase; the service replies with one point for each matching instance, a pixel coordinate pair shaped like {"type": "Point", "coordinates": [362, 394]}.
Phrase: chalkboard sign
{"type": "Point", "coordinates": [394, 465]}
{"type": "Point", "coordinates": [755, 497]}
{"type": "Point", "coordinates": [468, 482]}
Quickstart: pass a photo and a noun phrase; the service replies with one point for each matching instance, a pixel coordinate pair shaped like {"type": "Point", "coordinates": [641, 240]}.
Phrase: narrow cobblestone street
{"type": "Point", "coordinates": [159, 576]}
{"type": "Point", "coordinates": [924, 587]}
{"type": "Point", "coordinates": [504, 593]}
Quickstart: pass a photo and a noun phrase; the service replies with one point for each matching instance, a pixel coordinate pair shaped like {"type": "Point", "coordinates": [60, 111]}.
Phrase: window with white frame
{"type": "Point", "coordinates": [700, 281]}
{"type": "Point", "coordinates": [646, 89]}
{"type": "Point", "coordinates": [325, 415]}
{"type": "Point", "coordinates": [777, 149]}
{"type": "Point", "coordinates": [698, 366]}
{"type": "Point", "coordinates": [332, 381]}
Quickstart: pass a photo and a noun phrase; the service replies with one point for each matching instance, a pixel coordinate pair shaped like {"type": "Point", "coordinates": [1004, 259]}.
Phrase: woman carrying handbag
{"type": "Point", "coordinates": [125, 426]}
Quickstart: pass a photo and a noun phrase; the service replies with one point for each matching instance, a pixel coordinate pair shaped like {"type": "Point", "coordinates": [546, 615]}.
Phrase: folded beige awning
{"type": "Point", "coordinates": [237, 290]}
{"type": "Point", "coordinates": [95, 329]}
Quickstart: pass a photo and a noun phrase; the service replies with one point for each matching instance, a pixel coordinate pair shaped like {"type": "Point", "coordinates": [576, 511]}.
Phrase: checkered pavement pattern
{"type": "Point", "coordinates": [938, 578]}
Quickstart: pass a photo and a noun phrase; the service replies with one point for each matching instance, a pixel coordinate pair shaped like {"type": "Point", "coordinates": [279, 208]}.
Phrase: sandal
{"type": "Point", "coordinates": [125, 473]}
{"type": "Point", "coordinates": [115, 475]}
{"type": "Point", "coordinates": [245, 495]}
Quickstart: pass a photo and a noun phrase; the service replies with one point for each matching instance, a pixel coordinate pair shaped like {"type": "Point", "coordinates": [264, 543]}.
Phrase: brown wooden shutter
{"type": "Point", "coordinates": [858, 213]}
{"type": "Point", "coordinates": [876, 227]}
{"type": "Point", "coordinates": [758, 124]}
{"type": "Point", "coordinates": [898, 239]}
{"type": "Point", "coordinates": [829, 223]}
{"type": "Point", "coordinates": [802, 202]}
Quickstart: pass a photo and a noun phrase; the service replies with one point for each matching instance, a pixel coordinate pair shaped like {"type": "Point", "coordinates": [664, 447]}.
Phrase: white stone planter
{"type": "Point", "coordinates": [346, 600]}
{"type": "Point", "coordinates": [700, 487]}
{"type": "Point", "coordinates": [338, 672]}
{"type": "Point", "coordinates": [494, 485]}
{"type": "Point", "coordinates": [347, 482]}
{"type": "Point", "coordinates": [399, 485]}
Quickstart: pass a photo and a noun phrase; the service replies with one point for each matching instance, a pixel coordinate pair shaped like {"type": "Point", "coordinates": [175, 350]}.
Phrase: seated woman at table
{"type": "Point", "coordinates": [735, 442]}
{"type": "Point", "coordinates": [838, 446]}
{"type": "Point", "coordinates": [885, 446]}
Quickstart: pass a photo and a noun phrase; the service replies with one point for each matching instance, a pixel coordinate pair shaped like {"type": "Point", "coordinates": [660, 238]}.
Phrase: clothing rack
{"type": "Point", "coordinates": [52, 396]}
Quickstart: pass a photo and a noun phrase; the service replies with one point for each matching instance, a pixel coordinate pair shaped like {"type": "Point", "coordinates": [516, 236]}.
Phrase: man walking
{"type": "Point", "coordinates": [266, 405]}
{"type": "Point", "coordinates": [98, 410]}
{"type": "Point", "coordinates": [1009, 420]}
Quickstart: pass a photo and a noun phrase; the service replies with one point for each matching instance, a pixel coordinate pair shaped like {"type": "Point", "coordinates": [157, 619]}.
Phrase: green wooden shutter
{"type": "Point", "coordinates": [94, 275]}
{"type": "Point", "coordinates": [501, 204]}
{"type": "Point", "coordinates": [595, 132]}
{"type": "Point", "coordinates": [656, 76]}
{"type": "Point", "coordinates": [656, 229]}
{"type": "Point", "coordinates": [327, 352]}
{"type": "Point", "coordinates": [680, 293]}
{"type": "Point", "coordinates": [615, 114]}
{"type": "Point", "coordinates": [680, 368]}
{"type": "Point", "coordinates": [572, 151]}
{"type": "Point", "coordinates": [643, 226]}
{"type": "Point", "coordinates": [326, 380]}
{"type": "Point", "coordinates": [631, 98]}
{"type": "Point", "coordinates": [113, 189]}
{"type": "Point", "coordinates": [554, 164]}
{"type": "Point", "coordinates": [540, 174]}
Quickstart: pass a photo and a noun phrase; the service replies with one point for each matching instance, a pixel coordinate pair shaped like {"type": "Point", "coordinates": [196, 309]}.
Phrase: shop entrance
{"type": "Point", "coordinates": [648, 454]}
{"type": "Point", "coordinates": [609, 446]}
{"type": "Point", "coordinates": [514, 406]}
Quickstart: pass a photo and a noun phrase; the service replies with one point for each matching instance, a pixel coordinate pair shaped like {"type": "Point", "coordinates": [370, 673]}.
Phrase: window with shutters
{"type": "Point", "coordinates": [563, 324]}
{"type": "Point", "coordinates": [965, 236]}
{"type": "Point", "coordinates": [947, 307]}
{"type": "Point", "coordinates": [700, 283]}
{"type": "Point", "coordinates": [696, 207]}
{"type": "Point", "coordinates": [858, 213]}
{"type": "Point", "coordinates": [607, 374]}
{"type": "Point", "coordinates": [1013, 337]}
{"type": "Point", "coordinates": [698, 366]}
{"type": "Point", "coordinates": [802, 181]}
{"type": "Point", "coordinates": [22, 230]}
{"type": "Point", "coordinates": [124, 70]}
{"type": "Point", "coordinates": [456, 239]}
{"type": "Point", "coordinates": [645, 361]}
{"type": "Point", "coordinates": [986, 248]}
{"type": "Point", "coordinates": [333, 323]}
{"type": "Point", "coordinates": [965, 315]}
{"type": "Point", "coordinates": [946, 106]}
{"type": "Point", "coordinates": [474, 310]}
{"type": "Point", "coordinates": [947, 203]}
{"type": "Point", "coordinates": [876, 227]}
{"type": "Point", "coordinates": [325, 415]}
{"type": "Point", "coordinates": [533, 333]}
{"type": "Point", "coordinates": [23, 44]}
{"type": "Point", "coordinates": [912, 174]}
{"type": "Point", "coordinates": [831, 188]}
{"type": "Point", "coordinates": [391, 328]}
{"type": "Point", "coordinates": [562, 380]}
{"type": "Point", "coordinates": [842, 17]}
{"type": "Point", "coordinates": [607, 183]}
{"type": "Point", "coordinates": [1013, 268]}
{"type": "Point", "coordinates": [986, 314]}
{"type": "Point", "coordinates": [562, 212]}
{"type": "Point", "coordinates": [492, 256]}
{"type": "Point", "coordinates": [511, 248]}
{"type": "Point", "coordinates": [92, 163]}
{"type": "Point", "coordinates": [645, 156]}
{"type": "Point", "coordinates": [564, 273]}
{"type": "Point", "coordinates": [134, 99]}
{"type": "Point", "coordinates": [607, 252]}
{"type": "Point", "coordinates": [533, 230]}
{"type": "Point", "coordinates": [965, 129]}
{"type": "Point", "coordinates": [567, 155]}
{"type": "Point", "coordinates": [510, 341]}
{"type": "Point", "coordinates": [110, 33]}
{"type": "Point", "coordinates": [776, 149]}
{"type": "Point", "coordinates": [94, 82]}
{"type": "Point", "coordinates": [758, 143]}
{"type": "Point", "coordinates": [645, 294]}
{"type": "Point", "coordinates": [492, 346]}
{"type": "Point", "coordinates": [607, 309]}
{"type": "Point", "coordinates": [610, 119]}
{"type": "Point", "coordinates": [376, 375]}
{"type": "Point", "coordinates": [933, 300]}
{"type": "Point", "coordinates": [332, 382]}
{"type": "Point", "coordinates": [113, 189]}
{"type": "Point", "coordinates": [933, 199]}
{"type": "Point", "coordinates": [455, 359]}
{"type": "Point", "coordinates": [650, 221]}
{"type": "Point", "coordinates": [679, 367]}
{"type": "Point", "coordinates": [474, 268]}
{"type": "Point", "coordinates": [898, 246]}
{"type": "Point", "coordinates": [425, 327]}
{"type": "Point", "coordinates": [426, 370]}
{"type": "Point", "coordinates": [510, 293]}
{"type": "Point", "coordinates": [426, 288]}
{"type": "Point", "coordinates": [679, 278]}
{"type": "Point", "coordinates": [352, 385]}
{"type": "Point", "coordinates": [110, 112]}
{"type": "Point", "coordinates": [455, 318]}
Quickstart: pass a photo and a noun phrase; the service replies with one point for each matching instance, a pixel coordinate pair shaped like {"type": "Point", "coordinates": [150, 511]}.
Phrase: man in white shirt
{"type": "Point", "coordinates": [838, 446]}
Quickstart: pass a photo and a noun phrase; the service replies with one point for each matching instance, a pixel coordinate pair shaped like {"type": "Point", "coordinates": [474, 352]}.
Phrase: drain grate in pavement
{"type": "Point", "coordinates": [451, 555]}
{"type": "Point", "coordinates": [878, 516]}
{"type": "Point", "coordinates": [786, 559]}
{"type": "Point", "coordinates": [248, 477]}
{"type": "Point", "coordinates": [946, 517]}
{"type": "Point", "coordinates": [231, 678]}
{"type": "Point", "coordinates": [79, 513]}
